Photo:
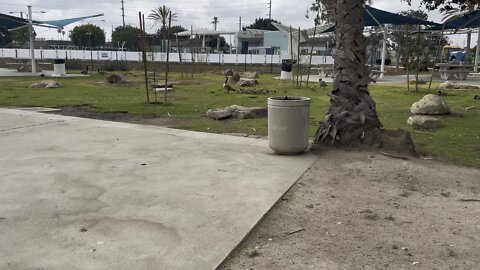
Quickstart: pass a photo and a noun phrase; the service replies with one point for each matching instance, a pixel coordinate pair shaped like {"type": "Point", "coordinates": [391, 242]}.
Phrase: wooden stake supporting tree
{"type": "Point", "coordinates": [299, 84]}
{"type": "Point", "coordinates": [407, 55]}
{"type": "Point", "coordinates": [418, 59]}
{"type": "Point", "coordinates": [311, 50]}
{"type": "Point", "coordinates": [352, 117]}
{"type": "Point", "coordinates": [144, 55]}
{"type": "Point", "coordinates": [439, 47]}
{"type": "Point", "coordinates": [291, 53]}
{"type": "Point", "coordinates": [179, 57]}
{"type": "Point", "coordinates": [168, 54]}
{"type": "Point", "coordinates": [153, 74]}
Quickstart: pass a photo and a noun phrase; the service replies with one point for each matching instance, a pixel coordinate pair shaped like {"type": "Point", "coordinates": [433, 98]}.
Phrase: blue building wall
{"type": "Point", "coordinates": [276, 39]}
{"type": "Point", "coordinates": [266, 40]}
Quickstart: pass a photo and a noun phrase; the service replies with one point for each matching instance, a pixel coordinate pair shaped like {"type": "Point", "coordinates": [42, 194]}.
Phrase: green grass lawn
{"type": "Point", "coordinates": [458, 141]}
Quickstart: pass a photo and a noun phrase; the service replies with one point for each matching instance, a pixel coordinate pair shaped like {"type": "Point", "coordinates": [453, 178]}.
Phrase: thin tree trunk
{"type": "Point", "coordinates": [291, 53]}
{"type": "Point", "coordinates": [352, 117]}
{"type": "Point", "coordinates": [407, 55]}
{"type": "Point", "coordinates": [180, 57]}
{"type": "Point", "coordinates": [168, 54]}
{"type": "Point", "coordinates": [418, 60]}
{"type": "Point", "coordinates": [144, 56]}
{"type": "Point", "coordinates": [397, 59]}
{"type": "Point", "coordinates": [154, 73]}
{"type": "Point", "coordinates": [311, 52]}
{"type": "Point", "coordinates": [298, 58]}
{"type": "Point", "coordinates": [436, 57]}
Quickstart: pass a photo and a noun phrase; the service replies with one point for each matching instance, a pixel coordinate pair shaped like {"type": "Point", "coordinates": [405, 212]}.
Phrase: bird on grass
{"type": "Point", "coordinates": [322, 83]}
{"type": "Point", "coordinates": [227, 87]}
{"type": "Point", "coordinates": [441, 93]}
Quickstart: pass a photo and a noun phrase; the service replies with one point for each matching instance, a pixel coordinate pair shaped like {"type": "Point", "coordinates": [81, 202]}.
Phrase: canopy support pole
{"type": "Point", "coordinates": [32, 43]}
{"type": "Point", "coordinates": [477, 52]}
{"type": "Point", "coordinates": [439, 47]}
{"type": "Point", "coordinates": [384, 51]}
{"type": "Point", "coordinates": [384, 47]}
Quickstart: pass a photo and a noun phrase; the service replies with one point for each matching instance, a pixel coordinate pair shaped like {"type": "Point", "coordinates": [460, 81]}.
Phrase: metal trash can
{"type": "Point", "coordinates": [288, 124]}
{"type": "Point", "coordinates": [286, 73]}
{"type": "Point", "coordinates": [59, 67]}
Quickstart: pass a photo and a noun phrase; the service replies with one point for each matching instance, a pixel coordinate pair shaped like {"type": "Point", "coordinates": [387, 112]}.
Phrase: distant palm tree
{"type": "Point", "coordinates": [215, 22]}
{"type": "Point", "coordinates": [161, 15]}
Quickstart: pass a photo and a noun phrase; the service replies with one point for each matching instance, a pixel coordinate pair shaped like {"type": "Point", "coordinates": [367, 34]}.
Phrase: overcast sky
{"type": "Point", "coordinates": [198, 13]}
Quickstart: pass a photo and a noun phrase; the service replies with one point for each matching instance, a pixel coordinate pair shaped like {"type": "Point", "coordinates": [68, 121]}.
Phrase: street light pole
{"type": "Point", "coordinates": [32, 45]}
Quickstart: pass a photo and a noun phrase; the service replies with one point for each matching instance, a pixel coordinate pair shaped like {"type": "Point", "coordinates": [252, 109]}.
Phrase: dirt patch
{"type": "Point", "coordinates": [87, 112]}
{"type": "Point", "coordinates": [364, 210]}
{"type": "Point", "coordinates": [122, 84]}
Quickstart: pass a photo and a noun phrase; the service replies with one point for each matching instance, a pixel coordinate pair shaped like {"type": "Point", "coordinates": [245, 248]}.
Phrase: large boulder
{"type": "Point", "coordinates": [467, 86]}
{"type": "Point", "coordinates": [37, 85]}
{"type": "Point", "coordinates": [240, 112]}
{"type": "Point", "coordinates": [247, 82]}
{"type": "Point", "coordinates": [52, 84]}
{"type": "Point", "coordinates": [250, 74]}
{"type": "Point", "coordinates": [448, 85]}
{"type": "Point", "coordinates": [218, 114]}
{"type": "Point", "coordinates": [46, 84]}
{"type": "Point", "coordinates": [424, 122]}
{"type": "Point", "coordinates": [430, 105]}
{"type": "Point", "coordinates": [237, 112]}
{"type": "Point", "coordinates": [454, 85]}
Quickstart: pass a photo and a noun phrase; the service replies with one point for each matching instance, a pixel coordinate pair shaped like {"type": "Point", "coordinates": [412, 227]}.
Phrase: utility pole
{"type": "Point", "coordinates": [270, 10]}
{"type": "Point", "coordinates": [32, 43]}
{"type": "Point", "coordinates": [123, 13]}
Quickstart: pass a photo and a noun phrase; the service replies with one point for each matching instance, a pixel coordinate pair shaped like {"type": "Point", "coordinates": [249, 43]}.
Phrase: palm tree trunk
{"type": "Point", "coordinates": [352, 117]}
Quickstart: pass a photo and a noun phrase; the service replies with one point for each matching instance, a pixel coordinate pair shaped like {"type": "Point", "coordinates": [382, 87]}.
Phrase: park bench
{"type": "Point", "coordinates": [454, 74]}
{"type": "Point", "coordinates": [474, 74]}
{"type": "Point", "coordinates": [449, 71]}
{"type": "Point", "coordinates": [324, 71]}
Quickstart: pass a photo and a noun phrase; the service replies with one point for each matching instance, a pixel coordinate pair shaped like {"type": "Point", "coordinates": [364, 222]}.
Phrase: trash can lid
{"type": "Point", "coordinates": [59, 61]}
{"type": "Point", "coordinates": [289, 101]}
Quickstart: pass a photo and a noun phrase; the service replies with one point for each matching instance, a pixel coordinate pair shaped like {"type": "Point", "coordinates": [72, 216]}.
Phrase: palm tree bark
{"type": "Point", "coordinates": [352, 117]}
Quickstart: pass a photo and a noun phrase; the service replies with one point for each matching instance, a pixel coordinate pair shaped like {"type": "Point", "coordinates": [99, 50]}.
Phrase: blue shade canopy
{"type": "Point", "coordinates": [65, 22]}
{"type": "Point", "coordinates": [374, 17]}
{"type": "Point", "coordinates": [468, 20]}
{"type": "Point", "coordinates": [11, 22]}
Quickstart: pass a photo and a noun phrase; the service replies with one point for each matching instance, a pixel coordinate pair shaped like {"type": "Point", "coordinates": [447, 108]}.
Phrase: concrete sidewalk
{"type": "Point", "coordinates": [87, 194]}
